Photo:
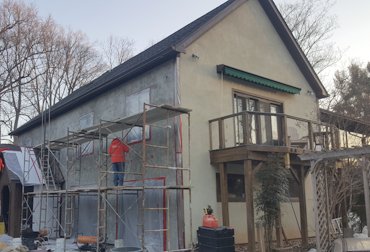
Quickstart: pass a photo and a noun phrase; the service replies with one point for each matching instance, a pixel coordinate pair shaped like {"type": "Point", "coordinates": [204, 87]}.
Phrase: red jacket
{"type": "Point", "coordinates": [117, 151]}
{"type": "Point", "coordinates": [2, 166]}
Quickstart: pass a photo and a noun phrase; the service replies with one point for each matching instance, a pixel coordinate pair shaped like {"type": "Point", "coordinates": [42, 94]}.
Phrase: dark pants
{"type": "Point", "coordinates": [118, 176]}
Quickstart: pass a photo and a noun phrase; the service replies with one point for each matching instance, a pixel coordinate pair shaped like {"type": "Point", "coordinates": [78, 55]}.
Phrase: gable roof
{"type": "Point", "coordinates": [169, 48]}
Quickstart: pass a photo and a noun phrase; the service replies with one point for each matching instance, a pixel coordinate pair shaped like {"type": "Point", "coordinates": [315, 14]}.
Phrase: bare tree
{"type": "Point", "coordinates": [69, 62]}
{"type": "Point", "coordinates": [41, 63]}
{"type": "Point", "coordinates": [15, 19]}
{"type": "Point", "coordinates": [313, 25]}
{"type": "Point", "coordinates": [20, 48]}
{"type": "Point", "coordinates": [117, 50]}
{"type": "Point", "coordinates": [82, 62]}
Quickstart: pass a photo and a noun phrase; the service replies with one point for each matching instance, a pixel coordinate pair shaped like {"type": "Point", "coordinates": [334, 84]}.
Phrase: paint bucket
{"type": "Point", "coordinates": [126, 249]}
{"type": "Point", "coordinates": [118, 243]}
{"type": "Point", "coordinates": [16, 242]}
{"type": "Point", "coordinates": [60, 245]}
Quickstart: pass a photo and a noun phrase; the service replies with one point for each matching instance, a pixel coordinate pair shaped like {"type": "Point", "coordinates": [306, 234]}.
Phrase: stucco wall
{"type": "Point", "coordinates": [245, 40]}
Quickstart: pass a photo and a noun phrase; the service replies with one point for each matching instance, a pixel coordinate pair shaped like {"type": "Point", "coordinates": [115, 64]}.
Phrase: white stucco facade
{"type": "Point", "coordinates": [246, 40]}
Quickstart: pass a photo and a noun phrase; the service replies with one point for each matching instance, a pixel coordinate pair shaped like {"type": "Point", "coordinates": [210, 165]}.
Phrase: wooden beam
{"type": "Point", "coordinates": [257, 168]}
{"type": "Point", "coordinates": [335, 154]}
{"type": "Point", "coordinates": [248, 180]}
{"type": "Point", "coordinates": [303, 207]}
{"type": "Point", "coordinates": [224, 195]}
{"type": "Point", "coordinates": [253, 152]}
{"type": "Point", "coordinates": [295, 175]}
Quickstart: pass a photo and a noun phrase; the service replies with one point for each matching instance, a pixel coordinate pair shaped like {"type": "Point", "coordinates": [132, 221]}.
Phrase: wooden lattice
{"type": "Point", "coordinates": [319, 180]}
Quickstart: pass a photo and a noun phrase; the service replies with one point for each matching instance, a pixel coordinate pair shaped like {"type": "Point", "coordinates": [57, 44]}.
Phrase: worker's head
{"type": "Point", "coordinates": [116, 139]}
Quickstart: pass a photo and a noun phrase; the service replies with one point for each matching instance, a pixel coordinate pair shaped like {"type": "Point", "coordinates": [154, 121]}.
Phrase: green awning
{"type": "Point", "coordinates": [257, 80]}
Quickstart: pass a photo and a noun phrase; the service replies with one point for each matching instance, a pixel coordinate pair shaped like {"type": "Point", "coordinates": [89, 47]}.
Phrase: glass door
{"type": "Point", "coordinates": [254, 128]}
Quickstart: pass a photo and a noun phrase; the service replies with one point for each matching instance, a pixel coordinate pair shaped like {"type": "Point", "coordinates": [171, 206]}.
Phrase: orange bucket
{"type": "Point", "coordinates": [86, 239]}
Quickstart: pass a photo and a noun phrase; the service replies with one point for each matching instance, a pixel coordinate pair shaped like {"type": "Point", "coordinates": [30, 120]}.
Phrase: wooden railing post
{"type": "Point", "coordinates": [221, 133]}
{"type": "Point", "coordinates": [246, 129]}
{"type": "Point", "coordinates": [310, 135]}
{"type": "Point", "coordinates": [285, 130]}
{"type": "Point", "coordinates": [210, 136]}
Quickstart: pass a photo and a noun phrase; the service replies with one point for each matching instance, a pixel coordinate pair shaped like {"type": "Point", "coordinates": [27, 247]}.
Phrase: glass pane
{"type": "Point", "coordinates": [238, 102]}
{"type": "Point", "coordinates": [274, 124]}
{"type": "Point", "coordinates": [264, 124]}
{"type": "Point", "coordinates": [252, 106]}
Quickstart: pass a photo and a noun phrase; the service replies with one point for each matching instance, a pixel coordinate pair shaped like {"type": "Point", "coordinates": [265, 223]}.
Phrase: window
{"type": "Point", "coordinates": [135, 105]}
{"type": "Point", "coordinates": [235, 187]}
{"type": "Point", "coordinates": [87, 120]}
{"type": "Point", "coordinates": [293, 188]}
{"type": "Point", "coordinates": [135, 102]}
{"type": "Point", "coordinates": [257, 128]}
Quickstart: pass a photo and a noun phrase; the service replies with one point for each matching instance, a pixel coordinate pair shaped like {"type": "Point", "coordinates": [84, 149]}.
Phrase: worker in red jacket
{"type": "Point", "coordinates": [117, 150]}
{"type": "Point", "coordinates": [2, 163]}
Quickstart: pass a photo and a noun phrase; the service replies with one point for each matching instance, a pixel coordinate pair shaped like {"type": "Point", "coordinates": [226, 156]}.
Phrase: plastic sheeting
{"type": "Point", "coordinates": [23, 164]}
{"type": "Point", "coordinates": [153, 219]}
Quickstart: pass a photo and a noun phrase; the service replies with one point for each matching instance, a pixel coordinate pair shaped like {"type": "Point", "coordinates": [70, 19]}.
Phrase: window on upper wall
{"type": "Point", "coordinates": [134, 105]}
{"type": "Point", "coordinates": [86, 120]}
{"type": "Point", "coordinates": [254, 128]}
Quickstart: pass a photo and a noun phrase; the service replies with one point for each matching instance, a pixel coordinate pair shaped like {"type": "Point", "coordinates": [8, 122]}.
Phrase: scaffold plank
{"type": "Point", "coordinates": [105, 128]}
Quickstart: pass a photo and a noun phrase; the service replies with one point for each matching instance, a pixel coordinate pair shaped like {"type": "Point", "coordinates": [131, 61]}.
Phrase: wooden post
{"type": "Point", "coordinates": [285, 131]}
{"type": "Point", "coordinates": [303, 207]}
{"type": "Point", "coordinates": [246, 128]}
{"type": "Point", "coordinates": [221, 133]}
{"type": "Point", "coordinates": [366, 191]}
{"type": "Point", "coordinates": [279, 240]}
{"type": "Point", "coordinates": [337, 138]}
{"type": "Point", "coordinates": [224, 195]}
{"type": "Point", "coordinates": [332, 138]}
{"type": "Point", "coordinates": [310, 135]}
{"type": "Point", "coordinates": [248, 180]}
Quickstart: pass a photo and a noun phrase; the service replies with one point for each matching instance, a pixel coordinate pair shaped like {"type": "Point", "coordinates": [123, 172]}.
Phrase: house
{"type": "Point", "coordinates": [251, 91]}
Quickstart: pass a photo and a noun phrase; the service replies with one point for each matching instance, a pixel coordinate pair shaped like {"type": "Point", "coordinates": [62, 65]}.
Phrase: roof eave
{"type": "Point", "coordinates": [182, 45]}
{"type": "Point", "coordinates": [294, 48]}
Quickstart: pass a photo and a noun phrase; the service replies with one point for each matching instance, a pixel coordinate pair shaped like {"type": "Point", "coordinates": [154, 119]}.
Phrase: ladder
{"type": "Point", "coordinates": [46, 169]}
{"type": "Point", "coordinates": [145, 165]}
{"type": "Point", "coordinates": [70, 205]}
{"type": "Point", "coordinates": [102, 222]}
{"type": "Point", "coordinates": [26, 213]}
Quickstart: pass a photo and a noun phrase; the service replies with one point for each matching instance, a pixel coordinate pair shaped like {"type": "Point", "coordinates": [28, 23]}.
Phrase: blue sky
{"type": "Point", "coordinates": [148, 21]}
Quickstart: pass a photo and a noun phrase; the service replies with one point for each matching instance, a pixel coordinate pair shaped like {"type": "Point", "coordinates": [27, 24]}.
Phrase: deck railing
{"type": "Point", "coordinates": [271, 129]}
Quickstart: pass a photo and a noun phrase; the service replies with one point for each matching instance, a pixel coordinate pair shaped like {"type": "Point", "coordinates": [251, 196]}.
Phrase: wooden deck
{"type": "Point", "coordinates": [252, 152]}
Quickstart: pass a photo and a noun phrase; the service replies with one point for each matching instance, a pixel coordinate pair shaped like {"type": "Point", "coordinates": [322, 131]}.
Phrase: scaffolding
{"type": "Point", "coordinates": [158, 187]}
